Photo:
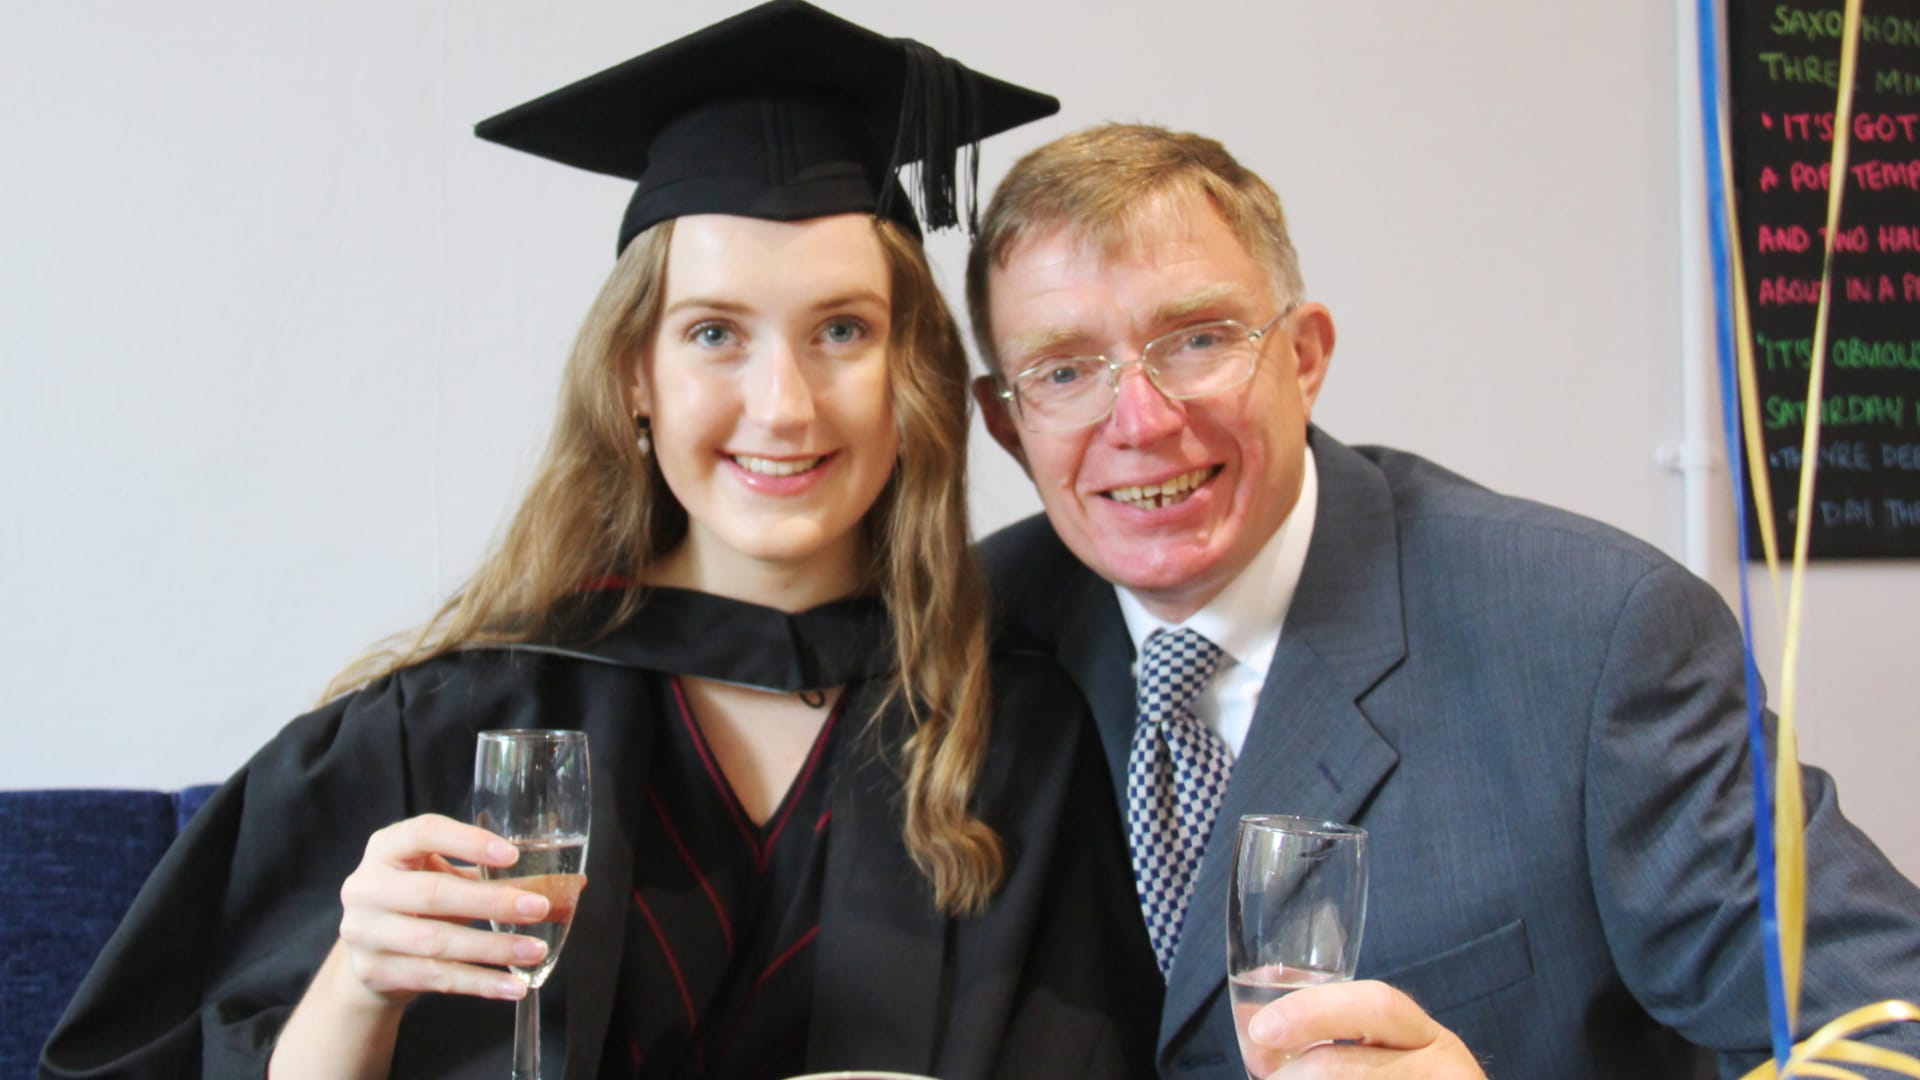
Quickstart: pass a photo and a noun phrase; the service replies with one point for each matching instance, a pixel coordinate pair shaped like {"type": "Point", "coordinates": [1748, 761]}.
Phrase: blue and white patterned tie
{"type": "Point", "coordinates": [1177, 772]}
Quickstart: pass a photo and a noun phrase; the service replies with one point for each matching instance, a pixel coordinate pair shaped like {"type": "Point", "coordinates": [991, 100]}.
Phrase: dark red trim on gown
{"type": "Point", "coordinates": [718, 975]}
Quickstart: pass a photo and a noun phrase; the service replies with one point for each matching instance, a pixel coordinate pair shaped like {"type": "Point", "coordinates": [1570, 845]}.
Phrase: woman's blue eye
{"type": "Point", "coordinates": [712, 334]}
{"type": "Point", "coordinates": [845, 331]}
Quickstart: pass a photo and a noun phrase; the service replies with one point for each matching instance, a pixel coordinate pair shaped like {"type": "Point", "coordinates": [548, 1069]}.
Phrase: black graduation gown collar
{"type": "Point", "coordinates": [733, 641]}
{"type": "Point", "coordinates": [846, 642]}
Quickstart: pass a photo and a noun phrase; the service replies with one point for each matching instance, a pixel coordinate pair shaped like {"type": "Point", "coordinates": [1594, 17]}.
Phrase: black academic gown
{"type": "Point", "coordinates": [1053, 979]}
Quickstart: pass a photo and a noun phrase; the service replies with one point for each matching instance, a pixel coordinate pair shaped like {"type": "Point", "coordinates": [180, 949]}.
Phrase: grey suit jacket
{"type": "Point", "coordinates": [1541, 723]}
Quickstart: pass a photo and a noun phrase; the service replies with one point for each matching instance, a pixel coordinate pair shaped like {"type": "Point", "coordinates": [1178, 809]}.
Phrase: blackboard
{"type": "Point", "coordinates": [1783, 70]}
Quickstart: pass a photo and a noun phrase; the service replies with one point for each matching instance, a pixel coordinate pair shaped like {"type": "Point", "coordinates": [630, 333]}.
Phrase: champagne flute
{"type": "Point", "coordinates": [530, 787]}
{"type": "Point", "coordinates": [861, 1074]}
{"type": "Point", "coordinates": [1294, 914]}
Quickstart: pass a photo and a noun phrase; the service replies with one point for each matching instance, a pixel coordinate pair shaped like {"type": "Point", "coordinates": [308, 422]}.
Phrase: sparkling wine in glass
{"type": "Point", "coordinates": [1294, 915]}
{"type": "Point", "coordinates": [530, 785]}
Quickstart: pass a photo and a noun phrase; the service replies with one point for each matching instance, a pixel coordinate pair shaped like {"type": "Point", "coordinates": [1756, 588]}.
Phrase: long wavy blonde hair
{"type": "Point", "coordinates": [599, 509]}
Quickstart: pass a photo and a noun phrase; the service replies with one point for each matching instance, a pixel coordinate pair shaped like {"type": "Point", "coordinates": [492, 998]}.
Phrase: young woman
{"type": "Point", "coordinates": [832, 826]}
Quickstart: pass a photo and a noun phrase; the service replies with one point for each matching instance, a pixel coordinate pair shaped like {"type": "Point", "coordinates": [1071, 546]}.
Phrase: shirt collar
{"type": "Point", "coordinates": [1246, 616]}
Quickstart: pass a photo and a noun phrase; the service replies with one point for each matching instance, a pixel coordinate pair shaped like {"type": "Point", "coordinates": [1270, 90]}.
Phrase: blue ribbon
{"type": "Point", "coordinates": [1720, 244]}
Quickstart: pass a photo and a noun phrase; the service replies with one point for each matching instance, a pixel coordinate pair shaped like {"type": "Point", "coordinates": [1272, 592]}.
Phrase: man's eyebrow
{"type": "Point", "coordinates": [1048, 339]}
{"type": "Point", "coordinates": [1209, 298]}
{"type": "Point", "coordinates": [1043, 340]}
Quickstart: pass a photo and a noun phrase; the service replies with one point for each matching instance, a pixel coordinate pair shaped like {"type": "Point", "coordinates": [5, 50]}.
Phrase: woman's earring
{"type": "Point", "coordinates": [644, 425]}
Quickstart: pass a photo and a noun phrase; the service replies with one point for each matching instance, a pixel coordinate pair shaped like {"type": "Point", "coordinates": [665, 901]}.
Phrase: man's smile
{"type": "Point", "coordinates": [1166, 493]}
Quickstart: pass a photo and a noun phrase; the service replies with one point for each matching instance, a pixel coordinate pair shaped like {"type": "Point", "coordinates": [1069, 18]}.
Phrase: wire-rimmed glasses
{"type": "Point", "coordinates": [1071, 392]}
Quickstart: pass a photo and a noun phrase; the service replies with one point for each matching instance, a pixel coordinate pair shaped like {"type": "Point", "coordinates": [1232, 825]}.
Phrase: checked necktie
{"type": "Point", "coordinates": [1177, 771]}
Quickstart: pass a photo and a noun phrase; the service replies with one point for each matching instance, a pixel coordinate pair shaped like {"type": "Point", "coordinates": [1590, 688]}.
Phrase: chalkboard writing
{"type": "Point", "coordinates": [1784, 64]}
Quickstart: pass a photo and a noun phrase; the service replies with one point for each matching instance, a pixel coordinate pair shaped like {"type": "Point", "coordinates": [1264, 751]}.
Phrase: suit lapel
{"type": "Point", "coordinates": [1311, 750]}
{"type": "Point", "coordinates": [1097, 652]}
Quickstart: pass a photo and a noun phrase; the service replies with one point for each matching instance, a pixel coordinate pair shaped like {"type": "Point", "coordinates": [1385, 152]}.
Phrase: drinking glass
{"type": "Point", "coordinates": [861, 1075]}
{"type": "Point", "coordinates": [530, 787]}
{"type": "Point", "coordinates": [1294, 914]}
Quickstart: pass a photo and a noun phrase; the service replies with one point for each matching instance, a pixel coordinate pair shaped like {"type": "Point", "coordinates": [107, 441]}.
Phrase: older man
{"type": "Point", "coordinates": [1539, 720]}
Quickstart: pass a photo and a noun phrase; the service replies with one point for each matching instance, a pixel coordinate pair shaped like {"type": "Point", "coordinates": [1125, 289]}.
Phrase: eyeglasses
{"type": "Point", "coordinates": [1069, 393]}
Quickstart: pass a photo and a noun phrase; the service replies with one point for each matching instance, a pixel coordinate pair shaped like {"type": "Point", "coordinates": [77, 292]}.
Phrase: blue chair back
{"type": "Point", "coordinates": [70, 864]}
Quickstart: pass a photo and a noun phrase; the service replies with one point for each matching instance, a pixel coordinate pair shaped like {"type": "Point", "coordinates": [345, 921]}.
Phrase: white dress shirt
{"type": "Point", "coordinates": [1244, 619]}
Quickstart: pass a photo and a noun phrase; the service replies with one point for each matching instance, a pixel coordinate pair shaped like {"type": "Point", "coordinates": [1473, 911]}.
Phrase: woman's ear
{"type": "Point", "coordinates": [639, 398]}
{"type": "Point", "coordinates": [640, 406]}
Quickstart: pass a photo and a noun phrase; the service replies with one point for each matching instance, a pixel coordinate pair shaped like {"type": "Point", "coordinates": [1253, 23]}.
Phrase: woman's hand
{"type": "Point", "coordinates": [405, 910]}
{"type": "Point", "coordinates": [404, 933]}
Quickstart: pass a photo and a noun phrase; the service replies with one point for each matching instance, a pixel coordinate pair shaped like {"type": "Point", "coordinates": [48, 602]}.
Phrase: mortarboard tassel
{"type": "Point", "coordinates": [939, 117]}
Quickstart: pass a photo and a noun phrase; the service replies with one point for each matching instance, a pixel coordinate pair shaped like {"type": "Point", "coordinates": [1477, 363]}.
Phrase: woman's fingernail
{"type": "Point", "coordinates": [511, 989]}
{"type": "Point", "coordinates": [529, 950]}
{"type": "Point", "coordinates": [502, 853]}
{"type": "Point", "coordinates": [531, 904]}
{"type": "Point", "coordinates": [1266, 1027]}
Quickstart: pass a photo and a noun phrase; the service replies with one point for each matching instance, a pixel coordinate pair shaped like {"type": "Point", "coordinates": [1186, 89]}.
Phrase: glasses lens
{"type": "Point", "coordinates": [1202, 359]}
{"type": "Point", "coordinates": [1060, 394]}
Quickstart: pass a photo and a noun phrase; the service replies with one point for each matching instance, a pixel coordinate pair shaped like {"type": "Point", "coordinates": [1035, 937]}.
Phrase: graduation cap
{"type": "Point", "coordinates": [784, 112]}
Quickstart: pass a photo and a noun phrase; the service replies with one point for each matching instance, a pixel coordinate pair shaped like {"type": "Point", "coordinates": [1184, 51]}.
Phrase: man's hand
{"type": "Point", "coordinates": [1352, 1029]}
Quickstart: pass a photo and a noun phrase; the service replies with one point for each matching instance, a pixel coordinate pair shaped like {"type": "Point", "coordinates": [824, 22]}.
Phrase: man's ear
{"type": "Point", "coordinates": [1312, 342]}
{"type": "Point", "coordinates": [999, 421]}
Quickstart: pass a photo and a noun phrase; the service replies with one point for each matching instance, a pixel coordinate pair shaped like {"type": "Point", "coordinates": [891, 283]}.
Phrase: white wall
{"type": "Point", "coordinates": [278, 337]}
